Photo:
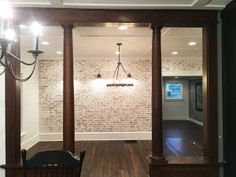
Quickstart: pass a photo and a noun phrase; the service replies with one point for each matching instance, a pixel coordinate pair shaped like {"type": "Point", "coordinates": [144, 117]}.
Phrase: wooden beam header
{"type": "Point", "coordinates": [53, 16]}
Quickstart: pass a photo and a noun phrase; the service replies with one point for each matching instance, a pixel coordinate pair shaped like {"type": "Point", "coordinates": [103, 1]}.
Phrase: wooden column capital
{"type": "Point", "coordinates": [67, 26]}
{"type": "Point", "coordinates": [156, 26]}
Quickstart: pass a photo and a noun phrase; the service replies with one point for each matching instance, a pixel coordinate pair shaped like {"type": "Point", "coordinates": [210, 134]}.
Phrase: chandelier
{"type": "Point", "coordinates": [119, 68]}
{"type": "Point", "coordinates": [8, 38]}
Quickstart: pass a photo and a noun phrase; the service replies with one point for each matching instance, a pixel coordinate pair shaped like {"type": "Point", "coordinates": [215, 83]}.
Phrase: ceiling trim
{"type": "Point", "coordinates": [112, 5]}
{"type": "Point", "coordinates": [56, 3]}
{"type": "Point", "coordinates": [196, 4]}
{"type": "Point", "coordinates": [215, 6]}
{"type": "Point", "coordinates": [31, 3]}
{"type": "Point", "coordinates": [193, 4]}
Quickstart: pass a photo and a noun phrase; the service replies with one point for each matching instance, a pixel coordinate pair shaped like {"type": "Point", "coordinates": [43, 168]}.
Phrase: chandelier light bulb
{"type": "Point", "coordinates": [36, 29]}
{"type": "Point", "coordinates": [5, 10]}
{"type": "Point", "coordinates": [22, 26]}
{"type": "Point", "coordinates": [10, 34]}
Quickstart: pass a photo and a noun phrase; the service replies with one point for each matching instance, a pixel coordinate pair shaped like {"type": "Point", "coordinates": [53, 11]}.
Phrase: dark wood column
{"type": "Point", "coordinates": [68, 91]}
{"type": "Point", "coordinates": [210, 100]}
{"type": "Point", "coordinates": [12, 107]}
{"type": "Point", "coordinates": [157, 132]}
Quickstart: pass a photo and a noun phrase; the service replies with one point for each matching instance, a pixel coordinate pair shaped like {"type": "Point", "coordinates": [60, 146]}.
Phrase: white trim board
{"type": "Point", "coordinates": [196, 121]}
{"type": "Point", "coordinates": [30, 142]}
{"type": "Point", "coordinates": [90, 136]}
{"type": "Point", "coordinates": [182, 119]}
{"type": "Point", "coordinates": [96, 136]}
{"type": "Point", "coordinates": [176, 118]}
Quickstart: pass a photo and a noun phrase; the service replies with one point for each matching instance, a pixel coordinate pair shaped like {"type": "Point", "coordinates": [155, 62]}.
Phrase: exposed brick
{"type": "Point", "coordinates": [119, 109]}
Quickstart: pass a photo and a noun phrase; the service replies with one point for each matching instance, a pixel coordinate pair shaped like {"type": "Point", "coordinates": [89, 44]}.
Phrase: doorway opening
{"type": "Point", "coordinates": [114, 124]}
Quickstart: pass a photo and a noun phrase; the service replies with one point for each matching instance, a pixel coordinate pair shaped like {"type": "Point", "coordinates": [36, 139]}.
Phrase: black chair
{"type": "Point", "coordinates": [58, 163]}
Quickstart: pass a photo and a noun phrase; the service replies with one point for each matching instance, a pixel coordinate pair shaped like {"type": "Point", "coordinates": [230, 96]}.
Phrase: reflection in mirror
{"type": "Point", "coordinates": [182, 91]}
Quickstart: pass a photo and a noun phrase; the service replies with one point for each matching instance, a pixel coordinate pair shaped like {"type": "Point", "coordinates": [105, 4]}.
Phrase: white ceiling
{"type": "Point", "coordinates": [100, 42]}
{"type": "Point", "coordinates": [124, 4]}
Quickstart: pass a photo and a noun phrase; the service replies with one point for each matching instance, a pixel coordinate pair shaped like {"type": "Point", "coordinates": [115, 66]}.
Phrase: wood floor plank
{"type": "Point", "coordinates": [128, 158]}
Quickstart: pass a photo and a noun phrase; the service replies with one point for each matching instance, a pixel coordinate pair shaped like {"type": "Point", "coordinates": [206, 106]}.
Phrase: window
{"type": "Point", "coordinates": [174, 91]}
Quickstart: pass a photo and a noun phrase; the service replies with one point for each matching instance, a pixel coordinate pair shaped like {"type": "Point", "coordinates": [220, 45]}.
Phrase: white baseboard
{"type": "Point", "coordinates": [196, 122]}
{"type": "Point", "coordinates": [50, 136]}
{"type": "Point", "coordinates": [90, 136]}
{"type": "Point", "coordinates": [30, 142]}
{"type": "Point", "coordinates": [22, 134]}
{"type": "Point", "coordinates": [182, 73]}
{"type": "Point", "coordinates": [175, 118]}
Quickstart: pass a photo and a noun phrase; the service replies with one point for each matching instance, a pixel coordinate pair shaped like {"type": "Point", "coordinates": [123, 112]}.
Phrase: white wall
{"type": "Point", "coordinates": [2, 123]}
{"type": "Point", "coordinates": [176, 110]}
{"type": "Point", "coordinates": [29, 110]}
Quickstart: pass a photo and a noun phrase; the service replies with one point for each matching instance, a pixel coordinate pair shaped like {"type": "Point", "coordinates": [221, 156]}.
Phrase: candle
{"type": "Point", "coordinates": [2, 27]}
{"type": "Point", "coordinates": [5, 16]}
{"type": "Point", "coordinates": [37, 43]}
{"type": "Point", "coordinates": [36, 28]}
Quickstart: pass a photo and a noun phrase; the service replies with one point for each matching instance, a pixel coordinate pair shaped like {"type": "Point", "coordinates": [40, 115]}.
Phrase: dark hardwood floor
{"type": "Point", "coordinates": [128, 158]}
{"type": "Point", "coordinates": [182, 138]}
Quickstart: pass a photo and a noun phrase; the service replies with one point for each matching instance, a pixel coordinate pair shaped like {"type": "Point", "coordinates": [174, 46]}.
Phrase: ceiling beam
{"type": "Point", "coordinates": [168, 18]}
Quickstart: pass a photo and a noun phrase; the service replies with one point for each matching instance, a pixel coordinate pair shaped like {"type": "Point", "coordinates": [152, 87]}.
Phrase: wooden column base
{"type": "Point", "coordinates": [155, 160]}
{"type": "Point", "coordinates": [183, 167]}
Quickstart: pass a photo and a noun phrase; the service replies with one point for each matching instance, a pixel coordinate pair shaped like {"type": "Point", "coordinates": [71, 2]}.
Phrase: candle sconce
{"type": "Point", "coordinates": [7, 37]}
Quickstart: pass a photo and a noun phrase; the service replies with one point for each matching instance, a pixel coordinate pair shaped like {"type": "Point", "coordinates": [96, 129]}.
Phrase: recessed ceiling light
{"type": "Point", "coordinates": [122, 27]}
{"type": "Point", "coordinates": [176, 77]}
{"type": "Point", "coordinates": [192, 43]}
{"type": "Point", "coordinates": [59, 52]}
{"type": "Point", "coordinates": [45, 43]}
{"type": "Point", "coordinates": [22, 26]}
{"type": "Point", "coordinates": [174, 53]}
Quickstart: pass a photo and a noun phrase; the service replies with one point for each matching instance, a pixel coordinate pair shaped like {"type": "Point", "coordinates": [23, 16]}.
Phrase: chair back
{"type": "Point", "coordinates": [58, 163]}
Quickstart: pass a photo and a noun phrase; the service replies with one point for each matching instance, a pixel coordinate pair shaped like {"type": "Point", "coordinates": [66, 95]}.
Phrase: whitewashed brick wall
{"type": "Point", "coordinates": [96, 110]}
{"type": "Point", "coordinates": [182, 67]}
{"type": "Point", "coordinates": [102, 109]}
